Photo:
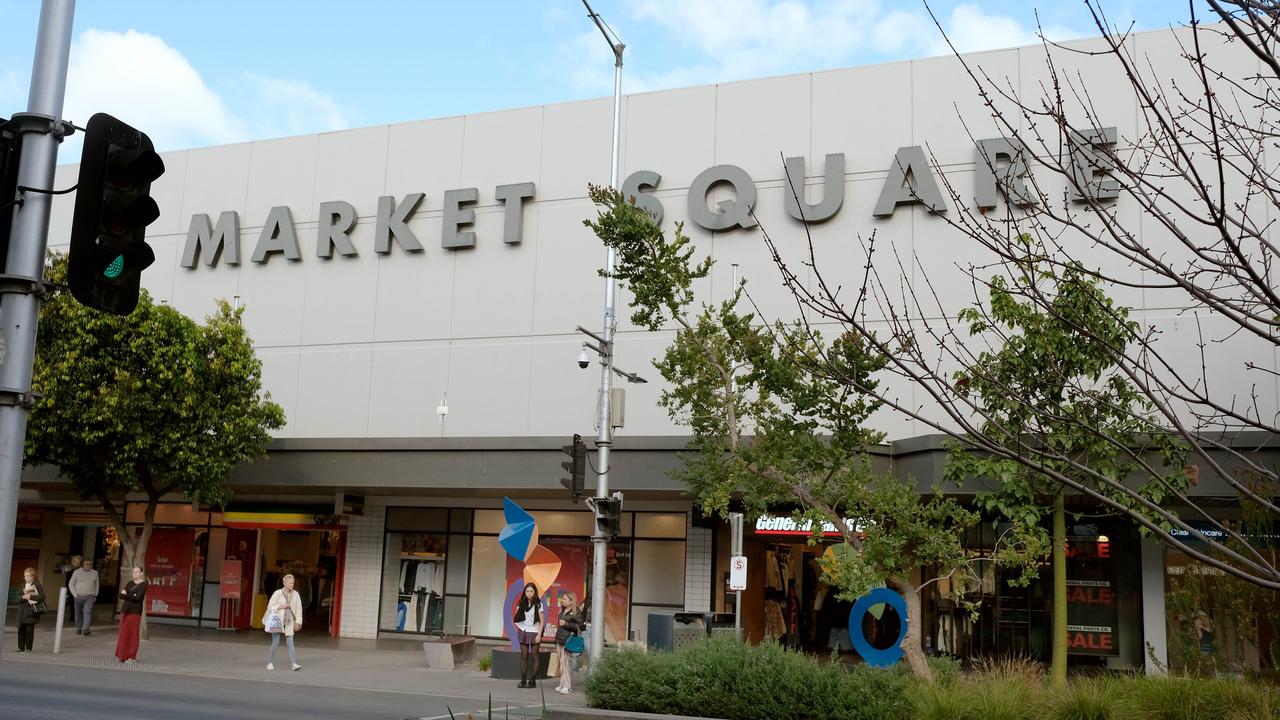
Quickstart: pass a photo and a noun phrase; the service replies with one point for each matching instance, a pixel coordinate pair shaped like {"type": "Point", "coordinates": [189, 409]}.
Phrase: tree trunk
{"type": "Point", "coordinates": [912, 648]}
{"type": "Point", "coordinates": [1058, 668]}
{"type": "Point", "coordinates": [133, 553]}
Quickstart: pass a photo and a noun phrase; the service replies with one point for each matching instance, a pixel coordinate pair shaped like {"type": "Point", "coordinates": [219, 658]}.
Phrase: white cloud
{"type": "Point", "coordinates": [972, 30]}
{"type": "Point", "coordinates": [901, 31]}
{"type": "Point", "coordinates": [294, 108]}
{"type": "Point", "coordinates": [164, 94]}
{"type": "Point", "coordinates": [11, 93]}
{"type": "Point", "coordinates": [171, 101]}
{"type": "Point", "coordinates": [746, 38]}
{"type": "Point", "coordinates": [735, 39]}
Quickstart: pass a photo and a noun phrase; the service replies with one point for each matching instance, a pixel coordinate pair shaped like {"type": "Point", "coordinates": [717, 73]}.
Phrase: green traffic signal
{"type": "Point", "coordinates": [115, 268]}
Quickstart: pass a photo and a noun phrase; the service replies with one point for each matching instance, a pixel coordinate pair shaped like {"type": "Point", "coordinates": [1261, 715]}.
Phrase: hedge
{"type": "Point", "coordinates": [721, 678]}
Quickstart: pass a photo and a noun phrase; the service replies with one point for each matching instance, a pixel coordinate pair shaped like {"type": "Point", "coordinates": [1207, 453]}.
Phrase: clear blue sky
{"type": "Point", "coordinates": [204, 73]}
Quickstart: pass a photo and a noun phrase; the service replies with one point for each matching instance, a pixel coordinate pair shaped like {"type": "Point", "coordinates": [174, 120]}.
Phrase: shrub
{"type": "Point", "coordinates": [1011, 667]}
{"type": "Point", "coordinates": [1197, 699]}
{"type": "Point", "coordinates": [946, 670]}
{"type": "Point", "coordinates": [726, 679]}
{"type": "Point", "coordinates": [1084, 699]}
{"type": "Point", "coordinates": [950, 701]}
{"type": "Point", "coordinates": [484, 663]}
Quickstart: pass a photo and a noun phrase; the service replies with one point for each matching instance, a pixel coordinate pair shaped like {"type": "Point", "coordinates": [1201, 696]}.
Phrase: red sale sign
{"type": "Point", "coordinates": [169, 571]}
{"type": "Point", "coordinates": [229, 580]}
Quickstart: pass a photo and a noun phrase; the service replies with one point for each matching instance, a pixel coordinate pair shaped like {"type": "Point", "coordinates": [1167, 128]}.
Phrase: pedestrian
{"type": "Point", "coordinates": [529, 621]}
{"type": "Point", "coordinates": [134, 594]}
{"type": "Point", "coordinates": [288, 605]}
{"type": "Point", "coordinates": [84, 590]}
{"type": "Point", "coordinates": [29, 609]}
{"type": "Point", "coordinates": [571, 621]}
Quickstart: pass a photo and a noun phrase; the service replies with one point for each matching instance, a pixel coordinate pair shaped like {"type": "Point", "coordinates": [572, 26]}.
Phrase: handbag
{"type": "Point", "coordinates": [574, 645]}
{"type": "Point", "coordinates": [38, 608]}
{"type": "Point", "coordinates": [553, 665]}
{"type": "Point", "coordinates": [273, 621]}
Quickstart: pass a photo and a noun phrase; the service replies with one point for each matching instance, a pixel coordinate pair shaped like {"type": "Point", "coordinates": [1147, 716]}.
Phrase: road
{"type": "Point", "coordinates": [34, 691]}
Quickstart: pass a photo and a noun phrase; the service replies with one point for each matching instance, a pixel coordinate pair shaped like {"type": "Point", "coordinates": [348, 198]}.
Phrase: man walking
{"type": "Point", "coordinates": [84, 591]}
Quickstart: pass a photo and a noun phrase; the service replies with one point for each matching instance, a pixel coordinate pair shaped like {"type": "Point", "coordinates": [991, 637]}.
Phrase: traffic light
{"type": "Point", "coordinates": [609, 516]}
{"type": "Point", "coordinates": [576, 465]}
{"type": "Point", "coordinates": [113, 209]}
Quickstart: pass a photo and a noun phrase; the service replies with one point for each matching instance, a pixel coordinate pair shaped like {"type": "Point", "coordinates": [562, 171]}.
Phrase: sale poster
{"type": "Point", "coordinates": [1092, 610]}
{"type": "Point", "coordinates": [168, 571]}
{"type": "Point", "coordinates": [229, 580]}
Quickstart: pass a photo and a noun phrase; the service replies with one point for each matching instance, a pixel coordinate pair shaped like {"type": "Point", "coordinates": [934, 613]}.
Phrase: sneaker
{"type": "Point", "coordinates": [131, 661]}
{"type": "Point", "coordinates": [296, 667]}
{"type": "Point", "coordinates": [87, 633]}
{"type": "Point", "coordinates": [271, 666]}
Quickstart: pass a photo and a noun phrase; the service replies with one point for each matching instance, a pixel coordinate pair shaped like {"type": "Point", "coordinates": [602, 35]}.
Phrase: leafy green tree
{"type": "Point", "coordinates": [151, 403]}
{"type": "Point", "coordinates": [1047, 385]}
{"type": "Point", "coordinates": [775, 422]}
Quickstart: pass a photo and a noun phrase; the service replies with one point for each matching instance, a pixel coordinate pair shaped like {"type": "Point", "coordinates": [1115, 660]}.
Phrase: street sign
{"type": "Point", "coordinates": [738, 573]}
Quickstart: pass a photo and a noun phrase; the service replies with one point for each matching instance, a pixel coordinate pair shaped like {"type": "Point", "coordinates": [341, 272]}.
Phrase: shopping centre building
{"type": "Point", "coordinates": [413, 292]}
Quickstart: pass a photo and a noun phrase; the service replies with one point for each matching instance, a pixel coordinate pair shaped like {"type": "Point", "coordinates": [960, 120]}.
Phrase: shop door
{"type": "Point", "coordinates": [242, 545]}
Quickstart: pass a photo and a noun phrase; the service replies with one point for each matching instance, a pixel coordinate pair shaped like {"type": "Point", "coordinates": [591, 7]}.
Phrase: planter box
{"type": "Point", "coordinates": [506, 664]}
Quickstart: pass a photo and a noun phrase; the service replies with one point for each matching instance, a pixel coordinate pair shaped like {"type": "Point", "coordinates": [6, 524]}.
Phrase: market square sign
{"type": "Point", "coordinates": [1000, 168]}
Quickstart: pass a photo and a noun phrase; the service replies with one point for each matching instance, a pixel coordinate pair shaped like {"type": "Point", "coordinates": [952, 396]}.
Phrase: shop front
{"type": "Point", "coordinates": [217, 569]}
{"type": "Point", "coordinates": [785, 600]}
{"type": "Point", "coordinates": [988, 613]}
{"type": "Point", "coordinates": [444, 572]}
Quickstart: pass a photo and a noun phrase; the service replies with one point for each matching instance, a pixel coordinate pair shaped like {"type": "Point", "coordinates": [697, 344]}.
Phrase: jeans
{"type": "Point", "coordinates": [275, 643]}
{"type": "Point", "coordinates": [84, 612]}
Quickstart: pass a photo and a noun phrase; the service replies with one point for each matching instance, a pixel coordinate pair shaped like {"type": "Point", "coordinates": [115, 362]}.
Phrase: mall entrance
{"type": "Point", "coordinates": [276, 544]}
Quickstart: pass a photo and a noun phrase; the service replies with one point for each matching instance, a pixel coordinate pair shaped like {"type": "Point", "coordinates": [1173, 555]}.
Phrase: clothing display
{"type": "Point", "coordinates": [421, 575]}
{"type": "Point", "coordinates": [421, 594]}
{"type": "Point", "coordinates": [774, 624]}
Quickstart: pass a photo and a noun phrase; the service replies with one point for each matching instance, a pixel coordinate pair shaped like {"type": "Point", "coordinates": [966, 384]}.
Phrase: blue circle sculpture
{"type": "Point", "coordinates": [873, 656]}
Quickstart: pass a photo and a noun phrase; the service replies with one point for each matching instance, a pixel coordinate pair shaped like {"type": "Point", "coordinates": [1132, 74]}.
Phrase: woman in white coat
{"type": "Point", "coordinates": [288, 604]}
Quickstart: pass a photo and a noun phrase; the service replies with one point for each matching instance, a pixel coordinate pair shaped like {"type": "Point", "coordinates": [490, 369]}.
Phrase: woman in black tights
{"type": "Point", "coordinates": [529, 620]}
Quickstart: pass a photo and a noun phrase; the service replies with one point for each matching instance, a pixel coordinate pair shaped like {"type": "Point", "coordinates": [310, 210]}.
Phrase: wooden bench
{"type": "Point", "coordinates": [446, 652]}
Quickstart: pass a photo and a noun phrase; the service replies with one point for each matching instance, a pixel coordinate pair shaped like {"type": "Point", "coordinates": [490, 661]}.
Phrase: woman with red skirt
{"type": "Point", "coordinates": [134, 593]}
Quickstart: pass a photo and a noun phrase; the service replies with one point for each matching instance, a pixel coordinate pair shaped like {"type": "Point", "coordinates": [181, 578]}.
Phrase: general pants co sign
{"type": "Point", "coordinates": [1000, 168]}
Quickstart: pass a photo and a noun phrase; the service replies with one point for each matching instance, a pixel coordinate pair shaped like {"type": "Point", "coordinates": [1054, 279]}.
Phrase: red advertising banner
{"type": "Point", "coordinates": [229, 580]}
{"type": "Point", "coordinates": [575, 573]}
{"type": "Point", "coordinates": [169, 571]}
{"type": "Point", "coordinates": [575, 556]}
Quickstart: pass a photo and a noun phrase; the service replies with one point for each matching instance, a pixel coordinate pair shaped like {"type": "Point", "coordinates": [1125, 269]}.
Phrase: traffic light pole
{"type": "Point", "coordinates": [604, 439]}
{"type": "Point", "coordinates": [23, 280]}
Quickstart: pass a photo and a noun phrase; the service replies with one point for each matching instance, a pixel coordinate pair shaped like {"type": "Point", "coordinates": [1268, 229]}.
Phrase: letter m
{"type": "Point", "coordinates": [224, 239]}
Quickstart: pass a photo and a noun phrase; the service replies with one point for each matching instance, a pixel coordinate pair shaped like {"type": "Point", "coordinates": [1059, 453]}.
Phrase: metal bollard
{"type": "Point", "coordinates": [62, 614]}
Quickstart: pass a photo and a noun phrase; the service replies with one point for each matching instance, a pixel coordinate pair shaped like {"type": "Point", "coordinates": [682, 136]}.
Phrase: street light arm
{"type": "Point", "coordinates": [615, 42]}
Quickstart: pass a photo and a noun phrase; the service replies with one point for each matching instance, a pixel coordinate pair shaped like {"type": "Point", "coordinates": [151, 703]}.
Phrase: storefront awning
{"type": "Point", "coordinates": [283, 519]}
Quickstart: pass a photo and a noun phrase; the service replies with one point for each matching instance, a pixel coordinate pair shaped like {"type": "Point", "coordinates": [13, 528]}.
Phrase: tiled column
{"type": "Point", "coordinates": [363, 573]}
{"type": "Point", "coordinates": [697, 569]}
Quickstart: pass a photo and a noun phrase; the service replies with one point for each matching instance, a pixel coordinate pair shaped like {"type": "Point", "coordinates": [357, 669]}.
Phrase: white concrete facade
{"type": "Point", "coordinates": [368, 346]}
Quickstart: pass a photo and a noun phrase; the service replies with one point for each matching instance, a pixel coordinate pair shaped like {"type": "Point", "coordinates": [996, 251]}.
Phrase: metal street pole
{"type": "Point", "coordinates": [20, 286]}
{"type": "Point", "coordinates": [604, 438]}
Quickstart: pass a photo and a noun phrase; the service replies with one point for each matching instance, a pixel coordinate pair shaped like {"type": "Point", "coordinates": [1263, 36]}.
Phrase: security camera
{"type": "Point", "coordinates": [583, 360]}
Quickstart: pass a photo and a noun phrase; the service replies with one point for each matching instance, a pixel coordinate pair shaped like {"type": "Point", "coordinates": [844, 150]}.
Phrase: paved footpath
{"type": "Point", "coordinates": [393, 666]}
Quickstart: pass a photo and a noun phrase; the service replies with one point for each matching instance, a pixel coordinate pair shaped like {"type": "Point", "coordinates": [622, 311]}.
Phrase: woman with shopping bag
{"type": "Point", "coordinates": [568, 640]}
{"type": "Point", "coordinates": [284, 617]}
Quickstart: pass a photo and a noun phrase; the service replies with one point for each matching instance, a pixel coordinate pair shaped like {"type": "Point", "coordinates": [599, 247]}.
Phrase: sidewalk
{"type": "Point", "coordinates": [385, 665]}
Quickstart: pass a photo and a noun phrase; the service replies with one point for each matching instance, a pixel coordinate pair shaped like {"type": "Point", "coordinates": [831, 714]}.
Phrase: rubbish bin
{"type": "Point", "coordinates": [673, 630]}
